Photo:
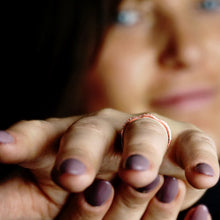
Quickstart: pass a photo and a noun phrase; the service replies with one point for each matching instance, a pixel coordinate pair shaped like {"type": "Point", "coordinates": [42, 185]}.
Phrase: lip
{"type": "Point", "coordinates": [191, 99]}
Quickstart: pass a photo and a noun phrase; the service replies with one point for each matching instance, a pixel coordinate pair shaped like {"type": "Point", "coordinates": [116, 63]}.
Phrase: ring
{"type": "Point", "coordinates": [148, 115]}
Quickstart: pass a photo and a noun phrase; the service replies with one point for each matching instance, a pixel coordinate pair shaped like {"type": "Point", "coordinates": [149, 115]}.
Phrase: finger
{"type": "Point", "coordinates": [83, 148]}
{"type": "Point", "coordinates": [130, 203]}
{"type": "Point", "coordinates": [145, 143]}
{"type": "Point", "coordinates": [26, 140]}
{"type": "Point", "coordinates": [197, 154]}
{"type": "Point", "coordinates": [199, 212]}
{"type": "Point", "coordinates": [168, 201]}
{"type": "Point", "coordinates": [92, 204]}
{"type": "Point", "coordinates": [33, 145]}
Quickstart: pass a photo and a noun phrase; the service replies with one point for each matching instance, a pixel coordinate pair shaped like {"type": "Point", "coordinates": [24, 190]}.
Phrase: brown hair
{"type": "Point", "coordinates": [83, 39]}
{"type": "Point", "coordinates": [92, 18]}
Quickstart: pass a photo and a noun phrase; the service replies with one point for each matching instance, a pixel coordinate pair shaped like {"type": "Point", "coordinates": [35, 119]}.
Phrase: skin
{"type": "Point", "coordinates": [172, 49]}
{"type": "Point", "coordinates": [151, 67]}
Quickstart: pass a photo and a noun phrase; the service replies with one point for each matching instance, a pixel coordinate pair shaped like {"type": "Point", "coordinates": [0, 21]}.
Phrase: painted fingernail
{"type": "Point", "coordinates": [72, 166]}
{"type": "Point", "coordinates": [137, 162]}
{"type": "Point", "coordinates": [5, 138]}
{"type": "Point", "coordinates": [168, 191]}
{"type": "Point", "coordinates": [149, 187]}
{"type": "Point", "coordinates": [200, 213]}
{"type": "Point", "coordinates": [205, 169]}
{"type": "Point", "coordinates": [98, 193]}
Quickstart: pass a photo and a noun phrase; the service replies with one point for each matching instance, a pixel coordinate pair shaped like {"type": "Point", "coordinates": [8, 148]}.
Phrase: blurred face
{"type": "Point", "coordinates": [161, 56]}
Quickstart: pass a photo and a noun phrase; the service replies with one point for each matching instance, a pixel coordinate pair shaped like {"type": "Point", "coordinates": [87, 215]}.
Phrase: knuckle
{"type": "Point", "coordinates": [93, 124]}
{"type": "Point", "coordinates": [40, 125]}
{"type": "Point", "coordinates": [36, 127]}
{"type": "Point", "coordinates": [196, 136]}
{"type": "Point", "coordinates": [106, 112]}
{"type": "Point", "coordinates": [52, 120]}
{"type": "Point", "coordinates": [30, 125]}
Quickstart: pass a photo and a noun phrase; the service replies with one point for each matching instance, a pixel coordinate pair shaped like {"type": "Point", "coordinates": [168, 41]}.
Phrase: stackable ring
{"type": "Point", "coordinates": [148, 115]}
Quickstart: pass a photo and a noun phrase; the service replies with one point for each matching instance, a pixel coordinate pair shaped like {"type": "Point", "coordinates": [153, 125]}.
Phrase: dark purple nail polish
{"type": "Point", "coordinates": [72, 166]}
{"type": "Point", "coordinates": [200, 213]}
{"type": "Point", "coordinates": [137, 162]}
{"type": "Point", "coordinates": [98, 193]}
{"type": "Point", "coordinates": [5, 138]}
{"type": "Point", "coordinates": [149, 187]}
{"type": "Point", "coordinates": [205, 169]}
{"type": "Point", "coordinates": [168, 191]}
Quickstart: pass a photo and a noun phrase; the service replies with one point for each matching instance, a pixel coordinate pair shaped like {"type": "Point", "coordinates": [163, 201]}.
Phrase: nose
{"type": "Point", "coordinates": [179, 43]}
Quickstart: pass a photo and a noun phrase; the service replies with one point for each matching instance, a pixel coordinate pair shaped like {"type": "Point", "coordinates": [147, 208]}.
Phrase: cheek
{"type": "Point", "coordinates": [126, 69]}
{"type": "Point", "coordinates": [212, 45]}
{"type": "Point", "coordinates": [213, 48]}
{"type": "Point", "coordinates": [123, 82]}
{"type": "Point", "coordinates": [122, 77]}
{"type": "Point", "coordinates": [213, 55]}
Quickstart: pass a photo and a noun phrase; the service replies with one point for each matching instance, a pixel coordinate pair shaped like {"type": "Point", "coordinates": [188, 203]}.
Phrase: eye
{"type": "Point", "coordinates": [210, 5]}
{"type": "Point", "coordinates": [128, 17]}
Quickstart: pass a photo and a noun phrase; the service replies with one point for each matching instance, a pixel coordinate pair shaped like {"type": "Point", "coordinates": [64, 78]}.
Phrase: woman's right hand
{"type": "Point", "coordinates": [90, 148]}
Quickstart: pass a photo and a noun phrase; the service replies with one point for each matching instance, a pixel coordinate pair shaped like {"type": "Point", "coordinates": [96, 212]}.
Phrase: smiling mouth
{"type": "Point", "coordinates": [190, 100]}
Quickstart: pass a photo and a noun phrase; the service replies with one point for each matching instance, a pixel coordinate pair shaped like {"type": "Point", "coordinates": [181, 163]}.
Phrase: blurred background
{"type": "Point", "coordinates": [33, 33]}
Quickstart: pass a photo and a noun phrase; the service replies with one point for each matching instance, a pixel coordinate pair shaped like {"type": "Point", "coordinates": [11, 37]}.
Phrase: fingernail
{"type": "Point", "coordinates": [5, 138]}
{"type": "Point", "coordinates": [98, 193]}
{"type": "Point", "coordinates": [137, 162]}
{"type": "Point", "coordinates": [205, 169]}
{"type": "Point", "coordinates": [72, 166]}
{"type": "Point", "coordinates": [168, 191]}
{"type": "Point", "coordinates": [200, 213]}
{"type": "Point", "coordinates": [149, 187]}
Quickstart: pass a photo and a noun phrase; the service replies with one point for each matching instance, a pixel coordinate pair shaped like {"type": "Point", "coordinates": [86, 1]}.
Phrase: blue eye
{"type": "Point", "coordinates": [210, 5]}
{"type": "Point", "coordinates": [128, 17]}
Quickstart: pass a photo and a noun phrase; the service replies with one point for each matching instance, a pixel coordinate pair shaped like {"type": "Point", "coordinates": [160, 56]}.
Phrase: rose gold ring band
{"type": "Point", "coordinates": [148, 115]}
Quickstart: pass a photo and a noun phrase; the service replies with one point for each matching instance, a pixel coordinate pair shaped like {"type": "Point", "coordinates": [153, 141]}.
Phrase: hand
{"type": "Point", "coordinates": [35, 144]}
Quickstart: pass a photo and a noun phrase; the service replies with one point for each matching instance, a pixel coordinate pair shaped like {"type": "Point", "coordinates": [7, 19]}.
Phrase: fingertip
{"type": "Point", "coordinates": [72, 166]}
{"type": "Point", "coordinates": [137, 171]}
{"type": "Point", "coordinates": [137, 162]}
{"type": "Point", "coordinates": [98, 193]}
{"type": "Point", "coordinates": [205, 169]}
{"type": "Point", "coordinates": [202, 176]}
{"type": "Point", "coordinates": [74, 184]}
{"type": "Point", "coordinates": [73, 175]}
{"type": "Point", "coordinates": [91, 204]}
{"type": "Point", "coordinates": [8, 148]}
{"type": "Point", "coordinates": [137, 179]}
{"type": "Point", "coordinates": [168, 191]}
{"type": "Point", "coordinates": [172, 191]}
{"type": "Point", "coordinates": [6, 137]}
{"type": "Point", "coordinates": [95, 201]}
{"type": "Point", "coordinates": [199, 212]}
{"type": "Point", "coordinates": [168, 200]}
{"type": "Point", "coordinates": [197, 155]}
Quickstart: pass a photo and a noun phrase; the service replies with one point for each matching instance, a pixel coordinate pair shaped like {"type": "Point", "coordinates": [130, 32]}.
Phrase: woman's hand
{"type": "Point", "coordinates": [90, 148]}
